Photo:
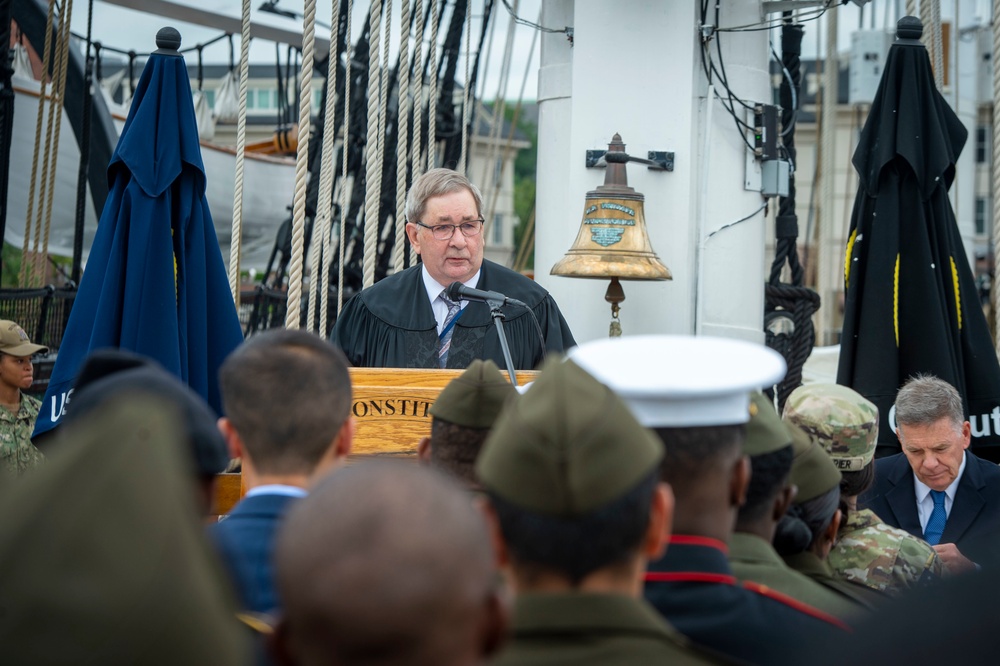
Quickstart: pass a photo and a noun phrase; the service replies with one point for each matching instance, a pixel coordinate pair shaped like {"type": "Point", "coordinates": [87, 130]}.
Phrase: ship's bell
{"type": "Point", "coordinates": [613, 241]}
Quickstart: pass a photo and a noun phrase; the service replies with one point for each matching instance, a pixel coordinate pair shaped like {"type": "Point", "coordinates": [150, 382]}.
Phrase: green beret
{"type": "Point", "coordinates": [475, 397]}
{"type": "Point", "coordinates": [813, 472]}
{"type": "Point", "coordinates": [765, 431]}
{"type": "Point", "coordinates": [837, 418]}
{"type": "Point", "coordinates": [567, 447]}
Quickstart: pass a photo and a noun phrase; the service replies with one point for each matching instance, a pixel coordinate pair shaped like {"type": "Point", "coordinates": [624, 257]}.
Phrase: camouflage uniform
{"type": "Point", "coordinates": [17, 453]}
{"type": "Point", "coordinates": [883, 557]}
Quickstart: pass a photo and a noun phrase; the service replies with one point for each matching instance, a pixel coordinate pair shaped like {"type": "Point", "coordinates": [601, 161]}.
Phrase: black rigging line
{"type": "Point", "coordinates": [530, 24]}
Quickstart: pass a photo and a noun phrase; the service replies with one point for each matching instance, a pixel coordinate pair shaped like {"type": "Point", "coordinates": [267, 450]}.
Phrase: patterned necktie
{"type": "Point", "coordinates": [445, 338]}
{"type": "Point", "coordinates": [935, 524]}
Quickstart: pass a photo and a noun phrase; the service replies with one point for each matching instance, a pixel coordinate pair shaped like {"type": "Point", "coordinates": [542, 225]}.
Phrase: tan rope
{"type": "Point", "coordinates": [383, 108]}
{"type": "Point", "coordinates": [345, 195]}
{"type": "Point", "coordinates": [40, 127]}
{"type": "Point", "coordinates": [432, 100]}
{"type": "Point", "coordinates": [911, 7]}
{"type": "Point", "coordinates": [62, 53]}
{"type": "Point", "coordinates": [292, 316]}
{"type": "Point", "coordinates": [402, 140]}
{"type": "Point", "coordinates": [938, 46]}
{"type": "Point", "coordinates": [323, 211]}
{"type": "Point", "coordinates": [462, 163]}
{"type": "Point", "coordinates": [372, 195]}
{"type": "Point", "coordinates": [498, 114]}
{"type": "Point", "coordinates": [417, 161]}
{"type": "Point", "coordinates": [236, 237]}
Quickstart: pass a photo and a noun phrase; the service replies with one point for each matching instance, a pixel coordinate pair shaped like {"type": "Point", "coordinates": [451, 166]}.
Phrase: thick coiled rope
{"type": "Point", "coordinates": [345, 196]}
{"type": "Point", "coordinates": [373, 195]}
{"type": "Point", "coordinates": [403, 134]}
{"type": "Point", "coordinates": [416, 152]}
{"type": "Point", "coordinates": [996, 167]}
{"type": "Point", "coordinates": [236, 237]}
{"type": "Point", "coordinates": [467, 88]}
{"type": "Point", "coordinates": [292, 313]}
{"type": "Point", "coordinates": [432, 100]}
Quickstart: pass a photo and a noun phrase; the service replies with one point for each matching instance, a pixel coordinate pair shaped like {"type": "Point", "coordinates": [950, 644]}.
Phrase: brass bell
{"type": "Point", "coordinates": [613, 241]}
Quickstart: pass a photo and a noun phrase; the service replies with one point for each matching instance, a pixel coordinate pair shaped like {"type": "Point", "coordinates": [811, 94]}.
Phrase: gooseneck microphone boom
{"type": "Point", "coordinates": [457, 291]}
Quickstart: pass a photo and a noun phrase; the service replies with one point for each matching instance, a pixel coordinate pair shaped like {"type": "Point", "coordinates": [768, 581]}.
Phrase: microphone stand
{"type": "Point", "coordinates": [498, 319]}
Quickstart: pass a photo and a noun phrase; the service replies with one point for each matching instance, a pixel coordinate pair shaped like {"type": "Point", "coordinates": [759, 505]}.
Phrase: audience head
{"type": "Point", "coordinates": [16, 350]}
{"type": "Point", "coordinates": [108, 375]}
{"type": "Point", "coordinates": [694, 393]}
{"type": "Point", "coordinates": [572, 483]}
{"type": "Point", "coordinates": [104, 559]}
{"type": "Point", "coordinates": [811, 522]}
{"type": "Point", "coordinates": [462, 415]}
{"type": "Point", "coordinates": [769, 445]}
{"type": "Point", "coordinates": [287, 398]}
{"type": "Point", "coordinates": [932, 430]}
{"type": "Point", "coordinates": [844, 424]}
{"type": "Point", "coordinates": [387, 562]}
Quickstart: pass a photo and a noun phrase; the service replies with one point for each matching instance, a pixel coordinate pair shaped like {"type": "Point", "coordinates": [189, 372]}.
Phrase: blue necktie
{"type": "Point", "coordinates": [935, 524]}
{"type": "Point", "coordinates": [445, 339]}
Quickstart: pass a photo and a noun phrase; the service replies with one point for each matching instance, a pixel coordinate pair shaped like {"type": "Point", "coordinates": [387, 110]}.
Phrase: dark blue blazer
{"type": "Point", "coordinates": [245, 540]}
{"type": "Point", "coordinates": [974, 522]}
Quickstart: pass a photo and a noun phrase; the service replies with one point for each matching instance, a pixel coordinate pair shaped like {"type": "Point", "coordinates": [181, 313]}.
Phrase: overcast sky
{"type": "Point", "coordinates": [129, 29]}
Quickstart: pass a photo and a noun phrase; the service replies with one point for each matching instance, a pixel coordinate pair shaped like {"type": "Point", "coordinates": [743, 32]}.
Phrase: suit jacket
{"type": "Point", "coordinates": [974, 521]}
{"type": "Point", "coordinates": [245, 540]}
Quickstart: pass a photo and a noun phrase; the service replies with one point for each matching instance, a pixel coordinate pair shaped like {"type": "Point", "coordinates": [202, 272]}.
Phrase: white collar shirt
{"type": "Point", "coordinates": [434, 289]}
{"type": "Point", "coordinates": [925, 503]}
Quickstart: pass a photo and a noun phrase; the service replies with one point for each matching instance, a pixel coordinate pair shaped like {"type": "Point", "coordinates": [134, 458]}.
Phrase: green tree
{"type": "Point", "coordinates": [524, 178]}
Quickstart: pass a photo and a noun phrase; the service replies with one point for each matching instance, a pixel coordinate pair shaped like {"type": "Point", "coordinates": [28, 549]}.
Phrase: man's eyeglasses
{"type": "Point", "coordinates": [443, 232]}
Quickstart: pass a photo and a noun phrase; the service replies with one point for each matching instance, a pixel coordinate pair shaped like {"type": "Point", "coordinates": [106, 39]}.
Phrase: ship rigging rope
{"type": "Point", "coordinates": [462, 160]}
{"type": "Point", "coordinates": [996, 168]}
{"type": "Point", "coordinates": [319, 283]}
{"type": "Point", "coordinates": [499, 110]}
{"type": "Point", "coordinates": [938, 47]}
{"type": "Point", "coordinates": [236, 237]}
{"type": "Point", "coordinates": [345, 195]}
{"type": "Point", "coordinates": [292, 316]}
{"type": "Point", "coordinates": [52, 143]}
{"type": "Point", "coordinates": [402, 142]}
{"type": "Point", "coordinates": [372, 194]}
{"type": "Point", "coordinates": [911, 7]}
{"type": "Point", "coordinates": [416, 152]}
{"type": "Point", "coordinates": [432, 100]}
{"type": "Point", "coordinates": [383, 109]}
{"type": "Point", "coordinates": [508, 145]}
{"type": "Point", "coordinates": [39, 128]}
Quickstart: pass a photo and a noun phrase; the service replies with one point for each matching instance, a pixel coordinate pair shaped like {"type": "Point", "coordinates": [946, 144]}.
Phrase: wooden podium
{"type": "Point", "coordinates": [391, 407]}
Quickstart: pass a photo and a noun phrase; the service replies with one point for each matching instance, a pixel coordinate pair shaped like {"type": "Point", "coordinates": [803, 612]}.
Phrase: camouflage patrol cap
{"type": "Point", "coordinates": [14, 341]}
{"type": "Point", "coordinates": [813, 471]}
{"type": "Point", "coordinates": [837, 418]}
{"type": "Point", "coordinates": [475, 397]}
{"type": "Point", "coordinates": [567, 447]}
{"type": "Point", "coordinates": [766, 432]}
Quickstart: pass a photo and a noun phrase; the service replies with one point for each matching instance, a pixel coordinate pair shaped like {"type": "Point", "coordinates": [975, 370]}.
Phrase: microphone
{"type": "Point", "coordinates": [457, 291]}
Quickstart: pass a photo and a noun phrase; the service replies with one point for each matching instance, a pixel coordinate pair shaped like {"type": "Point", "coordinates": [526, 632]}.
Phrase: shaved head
{"type": "Point", "coordinates": [387, 562]}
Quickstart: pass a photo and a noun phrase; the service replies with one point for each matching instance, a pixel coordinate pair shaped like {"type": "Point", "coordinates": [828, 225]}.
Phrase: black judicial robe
{"type": "Point", "coordinates": [391, 324]}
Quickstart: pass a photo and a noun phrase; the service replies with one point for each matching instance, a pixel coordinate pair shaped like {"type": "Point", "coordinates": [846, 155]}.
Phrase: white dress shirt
{"type": "Point", "coordinates": [925, 503]}
{"type": "Point", "coordinates": [277, 489]}
{"type": "Point", "coordinates": [434, 289]}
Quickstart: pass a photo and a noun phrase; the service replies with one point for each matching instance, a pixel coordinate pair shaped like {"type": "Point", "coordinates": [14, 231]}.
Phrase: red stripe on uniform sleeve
{"type": "Point", "coordinates": [766, 591]}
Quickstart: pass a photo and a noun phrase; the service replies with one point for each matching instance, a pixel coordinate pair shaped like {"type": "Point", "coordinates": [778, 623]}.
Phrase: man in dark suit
{"type": "Point", "coordinates": [936, 489]}
{"type": "Point", "coordinates": [287, 397]}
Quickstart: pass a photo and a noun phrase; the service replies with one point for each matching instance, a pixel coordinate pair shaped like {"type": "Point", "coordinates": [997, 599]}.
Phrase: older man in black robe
{"type": "Point", "coordinates": [407, 319]}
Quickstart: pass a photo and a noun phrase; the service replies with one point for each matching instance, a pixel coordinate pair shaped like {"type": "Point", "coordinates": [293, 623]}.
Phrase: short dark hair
{"type": "Point", "coordinates": [576, 547]}
{"type": "Point", "coordinates": [690, 451]}
{"type": "Point", "coordinates": [769, 474]}
{"type": "Point", "coordinates": [288, 394]}
{"type": "Point", "coordinates": [454, 449]}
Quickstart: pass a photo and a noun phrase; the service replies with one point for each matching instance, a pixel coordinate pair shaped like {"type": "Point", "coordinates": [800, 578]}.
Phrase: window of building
{"type": "Point", "coordinates": [498, 172]}
{"type": "Point", "coordinates": [498, 228]}
{"type": "Point", "coordinates": [982, 144]}
{"type": "Point", "coordinates": [982, 214]}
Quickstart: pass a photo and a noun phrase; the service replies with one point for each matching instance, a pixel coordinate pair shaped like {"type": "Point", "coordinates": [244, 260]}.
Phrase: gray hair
{"type": "Point", "coordinates": [925, 399]}
{"type": "Point", "coordinates": [436, 183]}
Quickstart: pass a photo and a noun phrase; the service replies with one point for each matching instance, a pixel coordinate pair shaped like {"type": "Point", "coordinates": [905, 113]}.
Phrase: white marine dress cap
{"type": "Point", "coordinates": [677, 381]}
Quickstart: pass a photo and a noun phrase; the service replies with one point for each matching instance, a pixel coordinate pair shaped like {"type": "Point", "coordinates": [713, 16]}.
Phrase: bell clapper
{"type": "Point", "coordinates": [615, 295]}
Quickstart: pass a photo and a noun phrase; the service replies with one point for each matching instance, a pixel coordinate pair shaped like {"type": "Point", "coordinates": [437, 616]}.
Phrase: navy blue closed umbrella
{"type": "Point", "coordinates": [155, 282]}
{"type": "Point", "coordinates": [911, 301]}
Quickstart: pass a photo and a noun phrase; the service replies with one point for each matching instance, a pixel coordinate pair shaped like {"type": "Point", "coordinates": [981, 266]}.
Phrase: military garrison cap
{"type": "Point", "coordinates": [682, 381]}
{"type": "Point", "coordinates": [766, 432]}
{"type": "Point", "coordinates": [105, 559]}
{"type": "Point", "coordinates": [837, 418]}
{"type": "Point", "coordinates": [813, 471]}
{"type": "Point", "coordinates": [567, 447]}
{"type": "Point", "coordinates": [475, 397]}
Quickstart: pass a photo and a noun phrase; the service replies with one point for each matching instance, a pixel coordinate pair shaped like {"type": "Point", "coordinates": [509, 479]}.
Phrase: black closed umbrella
{"type": "Point", "coordinates": [912, 305]}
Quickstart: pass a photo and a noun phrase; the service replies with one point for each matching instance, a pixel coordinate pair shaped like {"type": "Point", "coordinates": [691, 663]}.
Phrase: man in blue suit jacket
{"type": "Point", "coordinates": [936, 489]}
{"type": "Point", "coordinates": [287, 398]}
